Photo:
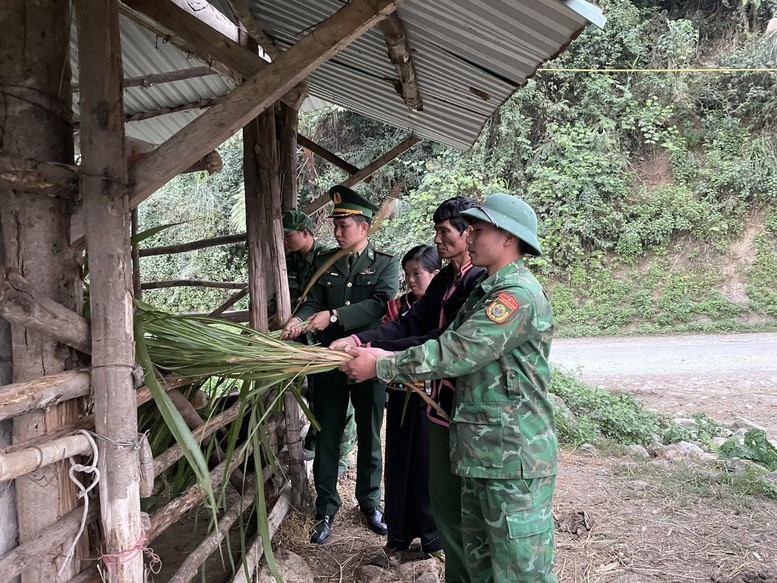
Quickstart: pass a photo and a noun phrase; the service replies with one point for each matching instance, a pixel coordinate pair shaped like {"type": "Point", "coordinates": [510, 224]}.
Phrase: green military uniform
{"type": "Point", "coordinates": [359, 288]}
{"type": "Point", "coordinates": [503, 437]}
{"type": "Point", "coordinates": [300, 269]}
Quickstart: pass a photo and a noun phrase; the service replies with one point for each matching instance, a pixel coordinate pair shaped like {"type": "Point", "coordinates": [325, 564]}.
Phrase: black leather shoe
{"type": "Point", "coordinates": [374, 518]}
{"type": "Point", "coordinates": [323, 529]}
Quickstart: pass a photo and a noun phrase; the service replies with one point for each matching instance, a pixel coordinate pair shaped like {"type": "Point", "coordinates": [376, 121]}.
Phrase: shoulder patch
{"type": "Point", "coordinates": [389, 252]}
{"type": "Point", "coordinates": [502, 308]}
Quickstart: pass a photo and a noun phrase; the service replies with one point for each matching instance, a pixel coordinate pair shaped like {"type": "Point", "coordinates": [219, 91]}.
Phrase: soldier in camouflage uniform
{"type": "Point", "coordinates": [503, 438]}
{"type": "Point", "coordinates": [302, 251]}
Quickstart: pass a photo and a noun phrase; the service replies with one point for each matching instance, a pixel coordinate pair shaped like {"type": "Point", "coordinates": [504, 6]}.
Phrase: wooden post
{"type": "Point", "coordinates": [107, 209]}
{"type": "Point", "coordinates": [36, 115]}
{"type": "Point", "coordinates": [286, 122]}
{"type": "Point", "coordinates": [8, 524]}
{"type": "Point", "coordinates": [255, 228]}
{"type": "Point", "coordinates": [287, 119]}
{"type": "Point", "coordinates": [135, 257]}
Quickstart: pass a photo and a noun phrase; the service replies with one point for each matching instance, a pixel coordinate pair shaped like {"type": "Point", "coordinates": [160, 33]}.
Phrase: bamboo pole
{"type": "Point", "coordinates": [189, 568]}
{"type": "Point", "coordinates": [142, 395]}
{"type": "Point", "coordinates": [20, 463]}
{"type": "Point", "coordinates": [255, 552]}
{"type": "Point", "coordinates": [194, 245]}
{"type": "Point", "coordinates": [192, 283]}
{"type": "Point", "coordinates": [44, 544]}
{"type": "Point", "coordinates": [19, 398]}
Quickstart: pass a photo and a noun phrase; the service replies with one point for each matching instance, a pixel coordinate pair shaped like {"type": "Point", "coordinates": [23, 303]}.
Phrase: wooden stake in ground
{"type": "Point", "coordinates": [107, 218]}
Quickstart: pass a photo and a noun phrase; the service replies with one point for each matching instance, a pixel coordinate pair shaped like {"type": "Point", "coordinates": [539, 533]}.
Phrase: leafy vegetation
{"type": "Point", "coordinates": [656, 191]}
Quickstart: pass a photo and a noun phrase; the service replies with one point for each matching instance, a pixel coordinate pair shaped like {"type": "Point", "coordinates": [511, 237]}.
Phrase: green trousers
{"type": "Point", "coordinates": [331, 396]}
{"type": "Point", "coordinates": [507, 528]}
{"type": "Point", "coordinates": [445, 494]}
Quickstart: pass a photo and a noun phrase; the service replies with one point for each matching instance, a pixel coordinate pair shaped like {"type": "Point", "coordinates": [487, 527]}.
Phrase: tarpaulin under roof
{"type": "Point", "coordinates": [469, 57]}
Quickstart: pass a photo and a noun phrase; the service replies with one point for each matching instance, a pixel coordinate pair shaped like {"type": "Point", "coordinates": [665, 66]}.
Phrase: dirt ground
{"type": "Point", "coordinates": [644, 528]}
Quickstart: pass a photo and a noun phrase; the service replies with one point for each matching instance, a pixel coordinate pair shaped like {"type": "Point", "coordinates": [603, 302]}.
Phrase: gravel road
{"type": "Point", "coordinates": [726, 376]}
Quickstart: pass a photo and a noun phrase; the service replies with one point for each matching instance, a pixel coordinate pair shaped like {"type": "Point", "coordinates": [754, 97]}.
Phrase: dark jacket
{"type": "Point", "coordinates": [424, 322]}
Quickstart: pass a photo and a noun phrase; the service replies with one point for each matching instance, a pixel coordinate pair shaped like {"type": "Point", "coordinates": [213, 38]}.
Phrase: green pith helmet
{"type": "Point", "coordinates": [349, 203]}
{"type": "Point", "coordinates": [295, 220]}
{"type": "Point", "coordinates": [510, 213]}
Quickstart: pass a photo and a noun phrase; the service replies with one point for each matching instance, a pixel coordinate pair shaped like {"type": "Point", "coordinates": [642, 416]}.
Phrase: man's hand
{"type": "Point", "coordinates": [291, 329]}
{"type": "Point", "coordinates": [363, 367]}
{"type": "Point", "coordinates": [343, 343]}
{"type": "Point", "coordinates": [319, 321]}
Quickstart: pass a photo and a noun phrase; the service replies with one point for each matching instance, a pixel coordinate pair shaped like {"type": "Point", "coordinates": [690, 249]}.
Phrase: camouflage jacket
{"type": "Point", "coordinates": [299, 270]}
{"type": "Point", "coordinates": [497, 347]}
{"type": "Point", "coordinates": [359, 293]}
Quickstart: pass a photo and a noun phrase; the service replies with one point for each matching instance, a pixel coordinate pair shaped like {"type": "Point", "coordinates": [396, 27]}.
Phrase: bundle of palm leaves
{"type": "Point", "coordinates": [193, 346]}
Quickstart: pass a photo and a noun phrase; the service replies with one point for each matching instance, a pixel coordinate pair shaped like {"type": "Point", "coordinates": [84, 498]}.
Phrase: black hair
{"type": "Point", "coordinates": [358, 219]}
{"type": "Point", "coordinates": [450, 210]}
{"type": "Point", "coordinates": [426, 255]}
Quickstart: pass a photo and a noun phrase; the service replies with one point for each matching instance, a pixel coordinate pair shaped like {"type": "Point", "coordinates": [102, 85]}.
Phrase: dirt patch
{"type": "Point", "coordinates": [644, 531]}
{"type": "Point", "coordinates": [655, 171]}
{"type": "Point", "coordinates": [739, 258]}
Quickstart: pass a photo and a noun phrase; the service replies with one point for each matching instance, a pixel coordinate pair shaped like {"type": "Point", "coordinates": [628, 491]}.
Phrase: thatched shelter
{"type": "Point", "coordinates": [144, 90]}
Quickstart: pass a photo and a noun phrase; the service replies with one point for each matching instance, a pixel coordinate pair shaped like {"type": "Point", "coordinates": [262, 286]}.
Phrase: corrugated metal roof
{"type": "Point", "coordinates": [469, 57]}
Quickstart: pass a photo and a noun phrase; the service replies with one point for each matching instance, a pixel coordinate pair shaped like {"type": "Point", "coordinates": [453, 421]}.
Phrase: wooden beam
{"type": "Point", "coordinates": [18, 398]}
{"type": "Point", "coordinates": [234, 316]}
{"type": "Point", "coordinates": [368, 170]}
{"type": "Point", "coordinates": [401, 57]}
{"type": "Point", "coordinates": [33, 175]}
{"type": "Point", "coordinates": [203, 104]}
{"type": "Point", "coordinates": [44, 545]}
{"type": "Point", "coordinates": [233, 299]}
{"type": "Point", "coordinates": [255, 95]}
{"type": "Point", "coordinates": [192, 283]}
{"type": "Point", "coordinates": [242, 12]}
{"type": "Point", "coordinates": [20, 306]}
{"type": "Point", "coordinates": [191, 565]}
{"type": "Point", "coordinates": [253, 27]}
{"type": "Point", "coordinates": [326, 154]}
{"type": "Point", "coordinates": [248, 567]}
{"type": "Point", "coordinates": [142, 395]}
{"type": "Point", "coordinates": [106, 204]}
{"type": "Point", "coordinates": [26, 461]}
{"type": "Point", "coordinates": [199, 29]}
{"type": "Point", "coordinates": [193, 245]}
{"type": "Point", "coordinates": [153, 79]}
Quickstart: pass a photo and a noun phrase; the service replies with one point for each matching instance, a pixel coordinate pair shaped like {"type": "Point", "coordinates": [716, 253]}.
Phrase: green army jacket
{"type": "Point", "coordinates": [359, 294]}
{"type": "Point", "coordinates": [299, 270]}
{"type": "Point", "coordinates": [497, 348]}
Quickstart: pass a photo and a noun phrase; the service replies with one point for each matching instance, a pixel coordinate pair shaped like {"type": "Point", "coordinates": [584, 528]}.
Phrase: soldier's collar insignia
{"type": "Point", "coordinates": [502, 308]}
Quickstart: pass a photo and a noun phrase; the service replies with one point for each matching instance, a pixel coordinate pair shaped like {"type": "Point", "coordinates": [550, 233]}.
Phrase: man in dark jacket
{"type": "Point", "coordinates": [426, 320]}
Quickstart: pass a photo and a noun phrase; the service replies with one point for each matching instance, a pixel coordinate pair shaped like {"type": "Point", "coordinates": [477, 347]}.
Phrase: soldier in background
{"type": "Point", "coordinates": [302, 251]}
{"type": "Point", "coordinates": [503, 437]}
{"type": "Point", "coordinates": [350, 297]}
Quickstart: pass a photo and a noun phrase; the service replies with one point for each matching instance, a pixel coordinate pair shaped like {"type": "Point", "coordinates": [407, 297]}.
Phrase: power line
{"type": "Point", "coordinates": [707, 70]}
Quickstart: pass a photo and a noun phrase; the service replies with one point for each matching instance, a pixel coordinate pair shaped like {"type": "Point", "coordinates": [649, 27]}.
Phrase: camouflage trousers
{"type": "Point", "coordinates": [507, 527]}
